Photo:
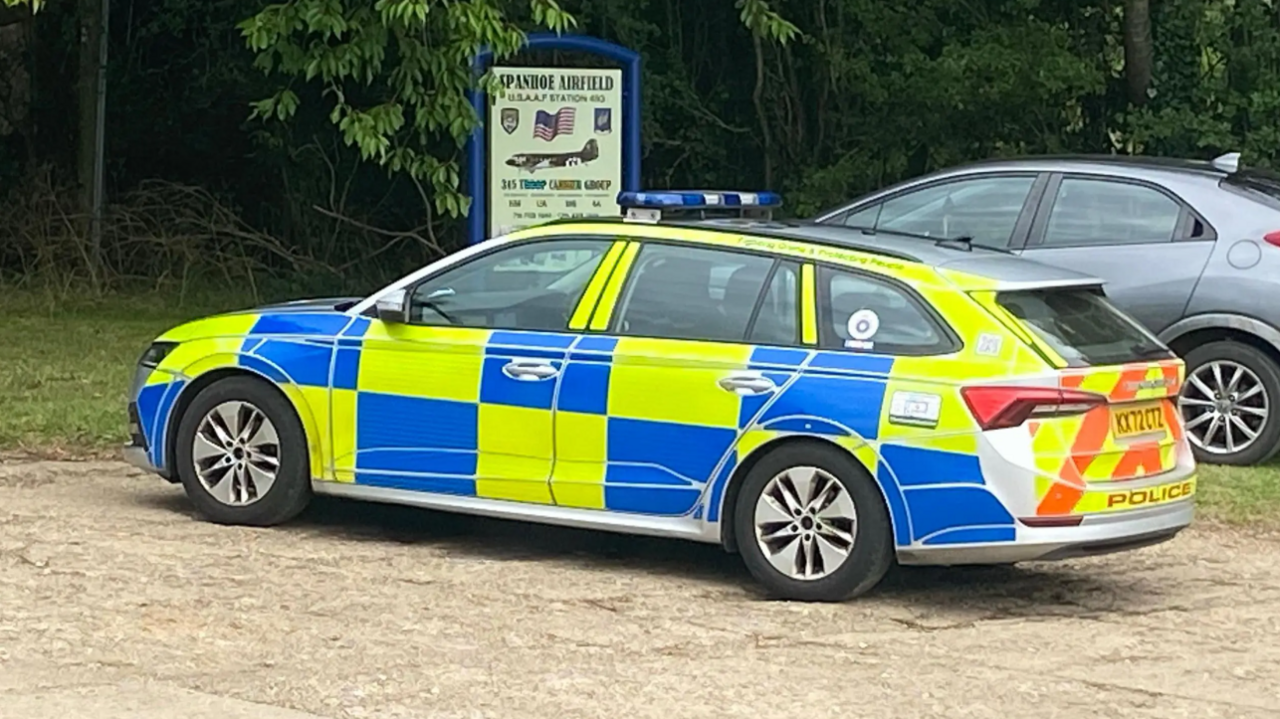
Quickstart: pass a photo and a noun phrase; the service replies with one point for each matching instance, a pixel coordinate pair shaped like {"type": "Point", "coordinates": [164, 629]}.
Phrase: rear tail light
{"type": "Point", "coordinates": [1272, 238]}
{"type": "Point", "coordinates": [1009, 406]}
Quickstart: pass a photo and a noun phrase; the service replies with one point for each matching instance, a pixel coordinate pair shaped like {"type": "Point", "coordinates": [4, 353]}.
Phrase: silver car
{"type": "Point", "coordinates": [1189, 248]}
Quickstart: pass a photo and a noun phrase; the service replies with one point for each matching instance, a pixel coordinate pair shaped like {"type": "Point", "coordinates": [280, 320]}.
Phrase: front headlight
{"type": "Point", "coordinates": [156, 353]}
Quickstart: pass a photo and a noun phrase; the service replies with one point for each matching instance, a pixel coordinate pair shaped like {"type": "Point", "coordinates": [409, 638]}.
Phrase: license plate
{"type": "Point", "coordinates": [1134, 421]}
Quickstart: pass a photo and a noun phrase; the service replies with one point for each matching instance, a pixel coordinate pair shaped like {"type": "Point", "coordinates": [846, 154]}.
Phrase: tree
{"type": "Point", "coordinates": [395, 72]}
{"type": "Point", "coordinates": [1138, 49]}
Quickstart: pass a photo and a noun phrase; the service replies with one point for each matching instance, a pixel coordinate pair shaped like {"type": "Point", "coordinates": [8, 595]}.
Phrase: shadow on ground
{"type": "Point", "coordinates": [967, 593]}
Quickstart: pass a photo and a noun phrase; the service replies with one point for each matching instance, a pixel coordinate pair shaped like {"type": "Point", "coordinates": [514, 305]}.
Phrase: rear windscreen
{"type": "Point", "coordinates": [1082, 326]}
{"type": "Point", "coordinates": [1261, 186]}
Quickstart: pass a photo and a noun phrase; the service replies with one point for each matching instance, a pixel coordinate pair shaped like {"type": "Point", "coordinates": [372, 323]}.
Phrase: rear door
{"type": "Point", "coordinates": [655, 395]}
{"type": "Point", "coordinates": [1144, 241]}
{"type": "Point", "coordinates": [1130, 432]}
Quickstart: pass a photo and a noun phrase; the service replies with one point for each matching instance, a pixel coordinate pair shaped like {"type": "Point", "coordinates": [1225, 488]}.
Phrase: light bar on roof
{"type": "Point", "coordinates": [654, 206]}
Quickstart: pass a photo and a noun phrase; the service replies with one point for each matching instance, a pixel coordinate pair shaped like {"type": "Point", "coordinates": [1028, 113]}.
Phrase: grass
{"type": "Point", "coordinates": [65, 369]}
{"type": "Point", "coordinates": [65, 366]}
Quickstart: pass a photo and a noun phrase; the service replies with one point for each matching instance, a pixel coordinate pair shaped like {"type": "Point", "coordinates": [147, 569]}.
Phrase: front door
{"type": "Point", "coordinates": [458, 400]}
{"type": "Point", "coordinates": [650, 405]}
{"type": "Point", "coordinates": [1147, 245]}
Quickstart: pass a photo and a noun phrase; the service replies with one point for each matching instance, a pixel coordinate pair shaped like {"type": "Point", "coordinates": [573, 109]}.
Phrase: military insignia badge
{"type": "Point", "coordinates": [510, 119]}
{"type": "Point", "coordinates": [604, 120]}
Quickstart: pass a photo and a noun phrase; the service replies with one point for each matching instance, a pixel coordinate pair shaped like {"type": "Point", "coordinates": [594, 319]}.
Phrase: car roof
{"type": "Point", "coordinates": [1099, 161]}
{"type": "Point", "coordinates": [1006, 270]}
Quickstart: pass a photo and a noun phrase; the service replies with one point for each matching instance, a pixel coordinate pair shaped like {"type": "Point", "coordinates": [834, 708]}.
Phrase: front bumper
{"type": "Point", "coordinates": [1096, 535]}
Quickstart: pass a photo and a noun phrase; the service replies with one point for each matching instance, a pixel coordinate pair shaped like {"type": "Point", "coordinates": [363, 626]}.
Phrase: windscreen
{"type": "Point", "coordinates": [1082, 326]}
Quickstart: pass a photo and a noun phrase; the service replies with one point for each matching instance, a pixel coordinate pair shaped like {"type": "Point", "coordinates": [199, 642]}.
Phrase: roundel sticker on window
{"type": "Point", "coordinates": [862, 326]}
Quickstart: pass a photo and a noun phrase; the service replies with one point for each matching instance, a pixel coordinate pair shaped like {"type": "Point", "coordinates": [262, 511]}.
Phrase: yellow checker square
{"type": "Point", "coordinates": [955, 430]}
{"type": "Point", "coordinates": [675, 381]}
{"type": "Point", "coordinates": [343, 422]}
{"type": "Point", "coordinates": [581, 437]}
{"type": "Point", "coordinates": [577, 479]}
{"type": "Point", "coordinates": [430, 369]}
{"type": "Point", "coordinates": [312, 404]}
{"type": "Point", "coordinates": [579, 484]}
{"type": "Point", "coordinates": [515, 447]}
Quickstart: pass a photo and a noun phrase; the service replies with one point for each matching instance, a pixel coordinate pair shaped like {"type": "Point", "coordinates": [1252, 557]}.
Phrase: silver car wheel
{"type": "Point", "coordinates": [1224, 406]}
{"type": "Point", "coordinates": [806, 523]}
{"type": "Point", "coordinates": [236, 453]}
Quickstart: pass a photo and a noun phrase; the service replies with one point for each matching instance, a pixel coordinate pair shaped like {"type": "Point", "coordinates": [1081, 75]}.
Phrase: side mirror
{"type": "Point", "coordinates": [393, 307]}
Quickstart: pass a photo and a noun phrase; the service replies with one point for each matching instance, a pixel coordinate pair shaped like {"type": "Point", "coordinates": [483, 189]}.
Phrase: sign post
{"type": "Point", "coordinates": [562, 142]}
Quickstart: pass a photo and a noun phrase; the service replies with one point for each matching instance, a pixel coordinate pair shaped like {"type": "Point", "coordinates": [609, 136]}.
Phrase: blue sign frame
{"type": "Point", "coordinates": [478, 168]}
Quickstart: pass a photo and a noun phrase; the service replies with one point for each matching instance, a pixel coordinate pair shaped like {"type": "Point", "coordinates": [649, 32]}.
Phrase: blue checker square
{"type": "Point", "coordinates": [301, 323]}
{"type": "Point", "coordinates": [762, 357]}
{"type": "Point", "coordinates": [545, 340]}
{"type": "Point", "coordinates": [305, 363]}
{"type": "Point", "coordinates": [915, 466]}
{"type": "Point", "coordinates": [691, 451]}
{"type": "Point", "coordinates": [592, 343]}
{"type": "Point", "coordinates": [644, 500]}
{"type": "Point", "coordinates": [388, 421]}
{"type": "Point", "coordinates": [346, 368]}
{"type": "Point", "coordinates": [584, 387]}
{"type": "Point", "coordinates": [497, 388]}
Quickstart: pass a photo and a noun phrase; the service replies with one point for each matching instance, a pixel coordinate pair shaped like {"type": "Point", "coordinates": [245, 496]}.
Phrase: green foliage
{"type": "Point", "coordinates": [395, 74]}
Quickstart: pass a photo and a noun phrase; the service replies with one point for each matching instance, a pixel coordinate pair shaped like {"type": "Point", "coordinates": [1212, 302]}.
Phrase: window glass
{"type": "Point", "coordinates": [866, 217]}
{"type": "Point", "coordinates": [985, 208]}
{"type": "Point", "coordinates": [1098, 212]}
{"type": "Point", "coordinates": [530, 286]}
{"type": "Point", "coordinates": [692, 293]}
{"type": "Point", "coordinates": [860, 313]}
{"type": "Point", "coordinates": [777, 322]}
{"type": "Point", "coordinates": [1082, 326]}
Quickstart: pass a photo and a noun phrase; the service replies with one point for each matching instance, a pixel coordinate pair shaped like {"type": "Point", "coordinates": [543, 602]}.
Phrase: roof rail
{"type": "Point", "coordinates": [1228, 163]}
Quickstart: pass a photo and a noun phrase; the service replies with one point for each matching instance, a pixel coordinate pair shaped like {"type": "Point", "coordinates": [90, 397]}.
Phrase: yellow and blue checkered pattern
{"type": "Point", "coordinates": [626, 424]}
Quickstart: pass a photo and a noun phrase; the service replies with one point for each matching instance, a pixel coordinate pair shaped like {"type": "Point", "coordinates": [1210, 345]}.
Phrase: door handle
{"type": "Point", "coordinates": [529, 370]}
{"type": "Point", "coordinates": [747, 383]}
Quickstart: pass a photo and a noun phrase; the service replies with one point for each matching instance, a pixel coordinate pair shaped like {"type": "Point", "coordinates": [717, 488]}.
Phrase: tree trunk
{"type": "Point", "coordinates": [1138, 51]}
{"type": "Point", "coordinates": [90, 25]}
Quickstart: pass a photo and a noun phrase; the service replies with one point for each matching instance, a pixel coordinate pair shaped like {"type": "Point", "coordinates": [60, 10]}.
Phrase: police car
{"type": "Point", "coordinates": [820, 400]}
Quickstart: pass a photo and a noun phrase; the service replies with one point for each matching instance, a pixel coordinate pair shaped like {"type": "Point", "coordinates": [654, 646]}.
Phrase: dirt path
{"type": "Point", "coordinates": [109, 588]}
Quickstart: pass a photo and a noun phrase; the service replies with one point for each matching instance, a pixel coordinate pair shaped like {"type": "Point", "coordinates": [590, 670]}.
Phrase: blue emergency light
{"type": "Point", "coordinates": [654, 206]}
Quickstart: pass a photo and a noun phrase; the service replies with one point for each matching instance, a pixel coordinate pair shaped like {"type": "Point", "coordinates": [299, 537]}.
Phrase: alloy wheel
{"type": "Point", "coordinates": [1224, 406]}
{"type": "Point", "coordinates": [806, 523]}
{"type": "Point", "coordinates": [236, 453]}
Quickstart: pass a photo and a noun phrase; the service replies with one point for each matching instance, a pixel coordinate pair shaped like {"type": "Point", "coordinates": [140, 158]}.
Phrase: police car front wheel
{"type": "Point", "coordinates": [811, 525]}
{"type": "Point", "coordinates": [241, 454]}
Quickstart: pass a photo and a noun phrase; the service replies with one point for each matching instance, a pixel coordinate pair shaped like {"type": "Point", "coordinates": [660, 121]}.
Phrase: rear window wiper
{"type": "Point", "coordinates": [969, 244]}
{"type": "Point", "coordinates": [1152, 351]}
{"type": "Point", "coordinates": [965, 241]}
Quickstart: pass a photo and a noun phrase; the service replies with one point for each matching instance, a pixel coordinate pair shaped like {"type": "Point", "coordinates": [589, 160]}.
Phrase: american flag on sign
{"type": "Point", "coordinates": [549, 125]}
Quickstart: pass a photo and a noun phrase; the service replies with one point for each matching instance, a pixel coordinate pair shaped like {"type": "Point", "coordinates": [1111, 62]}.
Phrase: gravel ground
{"type": "Point", "coordinates": [111, 592]}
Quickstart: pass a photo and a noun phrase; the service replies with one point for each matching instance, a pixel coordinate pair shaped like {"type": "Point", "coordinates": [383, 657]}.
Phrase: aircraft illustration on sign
{"type": "Point", "coordinates": [534, 161]}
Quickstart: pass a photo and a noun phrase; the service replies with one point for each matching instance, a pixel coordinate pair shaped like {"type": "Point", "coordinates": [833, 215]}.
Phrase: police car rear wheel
{"type": "Point", "coordinates": [241, 454]}
{"type": "Point", "coordinates": [811, 525]}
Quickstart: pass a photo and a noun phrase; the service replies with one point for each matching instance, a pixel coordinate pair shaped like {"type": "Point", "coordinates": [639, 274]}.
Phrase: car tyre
{"type": "Point", "coordinates": [818, 483]}
{"type": "Point", "coordinates": [241, 454]}
{"type": "Point", "coordinates": [1258, 369]}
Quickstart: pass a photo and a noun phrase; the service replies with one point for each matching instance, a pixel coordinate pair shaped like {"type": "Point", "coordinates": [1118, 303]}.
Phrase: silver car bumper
{"type": "Point", "coordinates": [137, 456]}
{"type": "Point", "coordinates": [1097, 534]}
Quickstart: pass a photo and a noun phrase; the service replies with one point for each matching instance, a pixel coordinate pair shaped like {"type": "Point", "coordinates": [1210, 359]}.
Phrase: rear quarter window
{"type": "Point", "coordinates": [864, 314]}
{"type": "Point", "coordinates": [1082, 326]}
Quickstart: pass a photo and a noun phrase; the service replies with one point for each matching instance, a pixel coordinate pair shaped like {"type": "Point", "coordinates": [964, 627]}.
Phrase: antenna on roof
{"type": "Point", "coordinates": [1228, 163]}
{"type": "Point", "coordinates": [667, 204]}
